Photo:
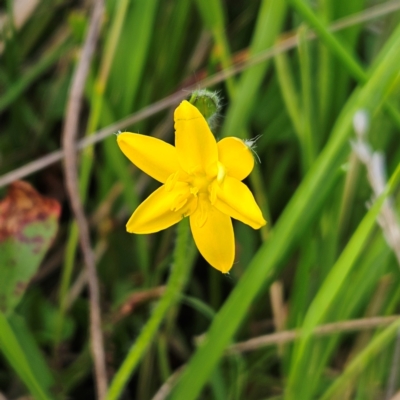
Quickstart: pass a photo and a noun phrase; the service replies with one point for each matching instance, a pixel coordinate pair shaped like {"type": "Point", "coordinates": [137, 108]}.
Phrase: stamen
{"type": "Point", "coordinates": [171, 181]}
{"type": "Point", "coordinates": [194, 191]}
{"type": "Point", "coordinates": [179, 202]}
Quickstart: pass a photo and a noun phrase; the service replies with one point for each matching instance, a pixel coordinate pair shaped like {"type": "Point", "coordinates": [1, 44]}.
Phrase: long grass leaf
{"type": "Point", "coordinates": [268, 25]}
{"type": "Point", "coordinates": [16, 356]}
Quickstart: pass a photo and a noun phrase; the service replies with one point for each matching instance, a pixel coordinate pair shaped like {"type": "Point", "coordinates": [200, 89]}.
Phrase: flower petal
{"type": "Point", "coordinates": [195, 143]}
{"type": "Point", "coordinates": [214, 238]}
{"type": "Point", "coordinates": [157, 211]}
{"type": "Point", "coordinates": [153, 156]}
{"type": "Point", "coordinates": [234, 198]}
{"type": "Point", "coordinates": [236, 157]}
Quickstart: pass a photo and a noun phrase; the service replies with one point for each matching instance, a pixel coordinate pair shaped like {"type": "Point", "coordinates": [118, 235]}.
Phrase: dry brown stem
{"type": "Point", "coordinates": [323, 330]}
{"type": "Point", "coordinates": [71, 175]}
{"type": "Point", "coordinates": [289, 41]}
{"type": "Point", "coordinates": [137, 298]}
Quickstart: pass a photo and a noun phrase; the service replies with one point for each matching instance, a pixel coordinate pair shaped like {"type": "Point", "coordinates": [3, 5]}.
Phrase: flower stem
{"type": "Point", "coordinates": [179, 273]}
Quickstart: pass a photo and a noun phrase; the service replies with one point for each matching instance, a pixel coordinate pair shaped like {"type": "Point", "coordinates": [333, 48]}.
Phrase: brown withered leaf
{"type": "Point", "coordinates": [28, 224]}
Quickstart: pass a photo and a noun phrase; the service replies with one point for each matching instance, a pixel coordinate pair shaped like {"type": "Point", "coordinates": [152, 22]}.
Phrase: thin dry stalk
{"type": "Point", "coordinates": [289, 41]}
{"type": "Point", "coordinates": [71, 176]}
{"type": "Point", "coordinates": [396, 396]}
{"type": "Point", "coordinates": [82, 280]}
{"type": "Point", "coordinates": [279, 309]}
{"type": "Point", "coordinates": [394, 370]}
{"type": "Point", "coordinates": [322, 330]}
{"type": "Point", "coordinates": [167, 386]}
{"type": "Point", "coordinates": [136, 299]}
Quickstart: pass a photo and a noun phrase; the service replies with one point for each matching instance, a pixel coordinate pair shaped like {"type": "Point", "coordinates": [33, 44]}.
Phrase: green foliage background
{"type": "Point", "coordinates": [321, 242]}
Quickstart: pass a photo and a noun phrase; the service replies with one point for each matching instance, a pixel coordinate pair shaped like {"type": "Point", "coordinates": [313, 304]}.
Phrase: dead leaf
{"type": "Point", "coordinates": [28, 225]}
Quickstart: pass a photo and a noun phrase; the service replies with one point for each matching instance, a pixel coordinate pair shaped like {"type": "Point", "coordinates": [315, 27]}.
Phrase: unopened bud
{"type": "Point", "coordinates": [208, 103]}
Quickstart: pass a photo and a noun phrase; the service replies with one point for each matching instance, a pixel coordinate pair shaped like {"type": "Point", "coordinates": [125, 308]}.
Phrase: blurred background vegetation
{"type": "Point", "coordinates": [321, 259]}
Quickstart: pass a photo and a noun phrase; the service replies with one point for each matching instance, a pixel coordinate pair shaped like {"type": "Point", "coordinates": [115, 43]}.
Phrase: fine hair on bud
{"type": "Point", "coordinates": [208, 103]}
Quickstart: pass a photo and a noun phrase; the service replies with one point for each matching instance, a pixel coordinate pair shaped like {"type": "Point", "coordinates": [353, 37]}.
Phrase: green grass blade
{"type": "Point", "coordinates": [133, 50]}
{"type": "Point", "coordinates": [353, 66]}
{"type": "Point", "coordinates": [289, 92]}
{"type": "Point", "coordinates": [33, 354]}
{"type": "Point", "coordinates": [212, 13]}
{"type": "Point", "coordinates": [16, 356]}
{"type": "Point", "coordinates": [268, 25]}
{"type": "Point", "coordinates": [33, 73]}
{"type": "Point", "coordinates": [308, 123]}
{"type": "Point", "coordinates": [362, 360]}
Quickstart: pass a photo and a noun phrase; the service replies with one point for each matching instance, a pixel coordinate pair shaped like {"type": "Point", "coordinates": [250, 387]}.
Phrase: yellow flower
{"type": "Point", "coordinates": [201, 179]}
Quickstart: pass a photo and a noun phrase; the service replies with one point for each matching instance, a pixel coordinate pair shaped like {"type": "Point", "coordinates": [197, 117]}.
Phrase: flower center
{"type": "Point", "coordinates": [202, 185]}
{"type": "Point", "coordinates": [199, 183]}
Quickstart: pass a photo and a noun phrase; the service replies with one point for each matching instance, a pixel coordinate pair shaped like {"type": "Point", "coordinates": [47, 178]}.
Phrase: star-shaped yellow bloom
{"type": "Point", "coordinates": [201, 179]}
